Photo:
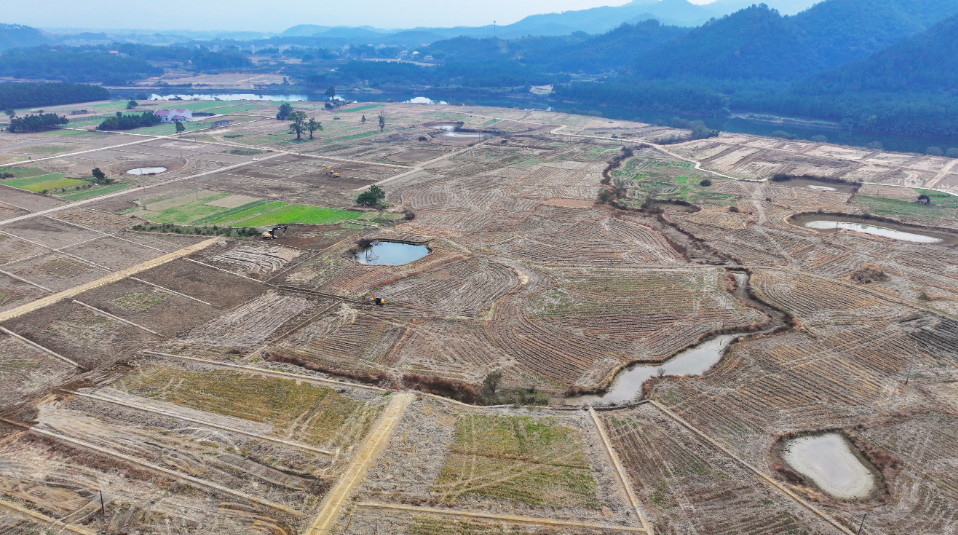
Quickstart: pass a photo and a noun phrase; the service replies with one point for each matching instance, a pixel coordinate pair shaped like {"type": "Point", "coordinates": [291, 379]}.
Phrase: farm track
{"type": "Point", "coordinates": [619, 469]}
{"type": "Point", "coordinates": [761, 475]}
{"type": "Point", "coordinates": [50, 523]}
{"type": "Point", "coordinates": [103, 281]}
{"type": "Point", "coordinates": [190, 480]}
{"type": "Point", "coordinates": [531, 521]}
{"type": "Point", "coordinates": [364, 459]}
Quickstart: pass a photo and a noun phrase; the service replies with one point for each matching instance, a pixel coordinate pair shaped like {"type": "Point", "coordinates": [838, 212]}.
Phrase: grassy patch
{"type": "Point", "coordinates": [141, 301]}
{"type": "Point", "coordinates": [245, 152]}
{"type": "Point", "coordinates": [53, 184]}
{"type": "Point", "coordinates": [527, 163]}
{"type": "Point", "coordinates": [423, 525]}
{"type": "Point", "coordinates": [943, 206]}
{"type": "Point", "coordinates": [184, 213]}
{"type": "Point", "coordinates": [535, 461]}
{"type": "Point", "coordinates": [305, 412]}
{"type": "Point", "coordinates": [93, 192]}
{"type": "Point", "coordinates": [239, 213]}
{"type": "Point", "coordinates": [361, 108]}
{"type": "Point", "coordinates": [300, 213]}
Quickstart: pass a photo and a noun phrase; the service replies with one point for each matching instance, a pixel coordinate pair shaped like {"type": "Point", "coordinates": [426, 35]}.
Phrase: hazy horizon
{"type": "Point", "coordinates": [245, 15]}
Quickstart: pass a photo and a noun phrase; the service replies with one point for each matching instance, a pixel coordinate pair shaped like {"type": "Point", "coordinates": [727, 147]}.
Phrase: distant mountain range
{"type": "Point", "coordinates": [15, 35]}
{"type": "Point", "coordinates": [593, 21]}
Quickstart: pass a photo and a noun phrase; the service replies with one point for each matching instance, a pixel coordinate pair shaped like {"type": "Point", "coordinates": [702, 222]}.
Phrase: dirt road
{"type": "Point", "coordinates": [103, 281]}
{"type": "Point", "coordinates": [364, 459]}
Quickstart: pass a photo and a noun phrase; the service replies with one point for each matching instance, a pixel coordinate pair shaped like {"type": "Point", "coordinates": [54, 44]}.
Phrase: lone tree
{"type": "Point", "coordinates": [179, 127]}
{"type": "Point", "coordinates": [924, 199]}
{"type": "Point", "coordinates": [312, 125]}
{"type": "Point", "coordinates": [284, 110]}
{"type": "Point", "coordinates": [299, 123]}
{"type": "Point", "coordinates": [364, 119]}
{"type": "Point", "coordinates": [98, 175]}
{"type": "Point", "coordinates": [11, 114]}
{"type": "Point", "coordinates": [372, 197]}
{"type": "Point", "coordinates": [491, 383]}
{"type": "Point", "coordinates": [382, 121]}
{"type": "Point", "coordinates": [132, 104]}
{"type": "Point", "coordinates": [331, 93]}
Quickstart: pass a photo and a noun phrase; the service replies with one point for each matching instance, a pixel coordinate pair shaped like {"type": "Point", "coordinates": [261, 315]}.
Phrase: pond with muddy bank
{"type": "Point", "coordinates": [831, 223]}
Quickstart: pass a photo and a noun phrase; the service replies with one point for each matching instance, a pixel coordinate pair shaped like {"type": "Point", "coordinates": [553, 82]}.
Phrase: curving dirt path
{"type": "Point", "coordinates": [365, 458]}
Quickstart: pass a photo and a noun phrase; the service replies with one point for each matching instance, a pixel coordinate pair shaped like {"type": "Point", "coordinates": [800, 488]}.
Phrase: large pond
{"type": "Point", "coordinates": [830, 463]}
{"type": "Point", "coordinates": [388, 253]}
{"type": "Point", "coordinates": [146, 171]}
{"type": "Point", "coordinates": [895, 231]}
{"type": "Point", "coordinates": [627, 385]}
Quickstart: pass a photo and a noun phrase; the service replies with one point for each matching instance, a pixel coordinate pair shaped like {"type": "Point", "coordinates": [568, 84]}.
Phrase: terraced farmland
{"type": "Point", "coordinates": [211, 383]}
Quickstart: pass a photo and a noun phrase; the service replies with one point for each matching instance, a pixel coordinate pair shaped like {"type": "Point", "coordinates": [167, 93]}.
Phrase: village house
{"type": "Point", "coordinates": [172, 116]}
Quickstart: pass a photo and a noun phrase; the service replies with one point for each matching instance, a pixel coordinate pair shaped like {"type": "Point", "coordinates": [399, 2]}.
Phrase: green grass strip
{"type": "Point", "coordinates": [94, 192]}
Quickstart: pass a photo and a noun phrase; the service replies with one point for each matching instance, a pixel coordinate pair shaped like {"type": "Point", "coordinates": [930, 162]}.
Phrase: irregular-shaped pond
{"type": "Point", "coordinates": [887, 229]}
{"type": "Point", "coordinates": [388, 253]}
{"type": "Point", "coordinates": [146, 171]}
{"type": "Point", "coordinates": [627, 385]}
{"type": "Point", "coordinates": [829, 462]}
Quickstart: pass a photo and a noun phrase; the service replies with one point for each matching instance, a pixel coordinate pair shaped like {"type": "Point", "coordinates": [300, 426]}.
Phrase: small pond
{"type": "Point", "coordinates": [627, 385]}
{"type": "Point", "coordinates": [452, 130]}
{"type": "Point", "coordinates": [896, 231]}
{"type": "Point", "coordinates": [146, 171]}
{"type": "Point", "coordinates": [388, 253]}
{"type": "Point", "coordinates": [828, 461]}
{"type": "Point", "coordinates": [819, 185]}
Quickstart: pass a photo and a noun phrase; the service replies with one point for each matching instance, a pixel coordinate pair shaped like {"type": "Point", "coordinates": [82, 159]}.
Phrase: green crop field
{"type": "Point", "coordinates": [40, 181]}
{"type": "Point", "coordinates": [535, 461]}
{"type": "Point", "coordinates": [361, 108]}
{"type": "Point", "coordinates": [943, 206]}
{"type": "Point", "coordinates": [300, 213]}
{"type": "Point", "coordinates": [93, 192]}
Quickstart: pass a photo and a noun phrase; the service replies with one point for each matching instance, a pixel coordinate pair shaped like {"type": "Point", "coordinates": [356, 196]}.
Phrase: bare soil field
{"type": "Point", "coordinates": [250, 386]}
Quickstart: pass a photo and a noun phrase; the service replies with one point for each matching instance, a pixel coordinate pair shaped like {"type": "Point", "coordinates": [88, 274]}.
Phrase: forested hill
{"type": "Point", "coordinates": [927, 62]}
{"type": "Point", "coordinates": [755, 42]}
{"type": "Point", "coordinates": [758, 43]}
{"type": "Point", "coordinates": [578, 52]}
{"type": "Point", "coordinates": [15, 35]}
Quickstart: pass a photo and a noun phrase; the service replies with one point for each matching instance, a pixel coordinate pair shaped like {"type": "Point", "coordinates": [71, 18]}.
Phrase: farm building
{"type": "Point", "coordinates": [172, 116]}
{"type": "Point", "coordinates": [221, 124]}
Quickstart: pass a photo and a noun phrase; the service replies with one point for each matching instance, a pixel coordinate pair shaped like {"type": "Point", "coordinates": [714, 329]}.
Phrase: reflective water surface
{"type": "Point", "coordinates": [829, 462]}
{"type": "Point", "coordinates": [387, 253]}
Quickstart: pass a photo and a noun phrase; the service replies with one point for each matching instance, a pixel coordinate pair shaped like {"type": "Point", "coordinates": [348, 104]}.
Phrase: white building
{"type": "Point", "coordinates": [172, 116]}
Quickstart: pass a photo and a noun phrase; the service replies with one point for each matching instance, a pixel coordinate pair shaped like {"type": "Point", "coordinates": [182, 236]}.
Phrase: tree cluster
{"type": "Point", "coordinates": [74, 64]}
{"type": "Point", "coordinates": [129, 122]}
{"type": "Point", "coordinates": [36, 123]}
{"type": "Point", "coordinates": [29, 95]}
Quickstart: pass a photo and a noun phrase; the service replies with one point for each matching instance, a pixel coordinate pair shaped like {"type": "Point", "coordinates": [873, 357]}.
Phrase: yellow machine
{"type": "Point", "coordinates": [379, 301]}
{"type": "Point", "coordinates": [272, 234]}
{"type": "Point", "coordinates": [331, 172]}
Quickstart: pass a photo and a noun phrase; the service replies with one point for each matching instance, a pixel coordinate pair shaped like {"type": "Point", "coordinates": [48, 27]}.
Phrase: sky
{"type": "Point", "coordinates": [257, 15]}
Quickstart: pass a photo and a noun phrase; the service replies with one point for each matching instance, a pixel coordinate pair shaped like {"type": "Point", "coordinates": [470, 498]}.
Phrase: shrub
{"type": "Point", "coordinates": [952, 153]}
{"type": "Point", "coordinates": [604, 196]}
{"type": "Point", "coordinates": [934, 151]}
{"type": "Point", "coordinates": [705, 183]}
{"type": "Point", "coordinates": [373, 197]}
{"type": "Point", "coordinates": [869, 273]}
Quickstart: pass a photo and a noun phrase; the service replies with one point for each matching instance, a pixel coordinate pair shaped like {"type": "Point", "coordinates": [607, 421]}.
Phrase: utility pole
{"type": "Point", "coordinates": [102, 506]}
{"type": "Point", "coordinates": [860, 526]}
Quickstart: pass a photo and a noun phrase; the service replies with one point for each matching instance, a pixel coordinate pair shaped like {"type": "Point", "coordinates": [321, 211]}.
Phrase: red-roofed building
{"type": "Point", "coordinates": [172, 116]}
